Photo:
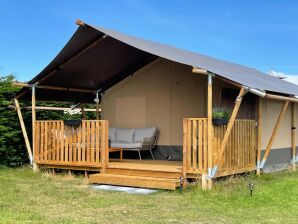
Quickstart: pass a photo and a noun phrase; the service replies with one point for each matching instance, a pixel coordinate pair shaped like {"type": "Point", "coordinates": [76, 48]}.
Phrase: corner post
{"type": "Point", "coordinates": [184, 165]}
{"type": "Point", "coordinates": [104, 154]}
{"type": "Point", "coordinates": [35, 167]}
{"type": "Point", "coordinates": [259, 136]}
{"type": "Point", "coordinates": [209, 134]}
{"type": "Point", "coordinates": [293, 136]}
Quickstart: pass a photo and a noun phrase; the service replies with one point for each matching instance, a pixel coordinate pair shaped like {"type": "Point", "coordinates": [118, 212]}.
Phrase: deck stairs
{"type": "Point", "coordinates": [156, 177]}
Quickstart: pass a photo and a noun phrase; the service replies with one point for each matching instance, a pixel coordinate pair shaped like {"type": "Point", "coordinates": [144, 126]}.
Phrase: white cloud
{"type": "Point", "coordinates": [284, 76]}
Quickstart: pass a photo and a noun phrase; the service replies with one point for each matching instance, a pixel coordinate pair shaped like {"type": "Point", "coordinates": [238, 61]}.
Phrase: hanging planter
{"type": "Point", "coordinates": [74, 123]}
{"type": "Point", "coordinates": [220, 116]}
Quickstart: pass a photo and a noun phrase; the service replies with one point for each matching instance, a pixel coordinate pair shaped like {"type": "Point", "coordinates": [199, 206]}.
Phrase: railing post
{"type": "Point", "coordinates": [104, 145]}
{"type": "Point", "coordinates": [184, 165]}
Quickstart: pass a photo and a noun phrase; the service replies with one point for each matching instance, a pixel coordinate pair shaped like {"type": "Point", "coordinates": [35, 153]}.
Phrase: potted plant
{"type": "Point", "coordinates": [220, 116]}
{"type": "Point", "coordinates": [72, 119]}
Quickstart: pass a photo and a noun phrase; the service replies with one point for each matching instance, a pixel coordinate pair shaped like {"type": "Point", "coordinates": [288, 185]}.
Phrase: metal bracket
{"type": "Point", "coordinates": [31, 160]}
{"type": "Point", "coordinates": [212, 172]}
{"type": "Point", "coordinates": [262, 164]}
{"type": "Point", "coordinates": [33, 85]}
{"type": "Point", "coordinates": [258, 164]}
{"type": "Point", "coordinates": [96, 99]}
{"type": "Point", "coordinates": [239, 98]}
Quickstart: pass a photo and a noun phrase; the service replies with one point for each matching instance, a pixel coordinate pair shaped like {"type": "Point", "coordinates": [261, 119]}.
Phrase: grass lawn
{"type": "Point", "coordinates": [27, 197]}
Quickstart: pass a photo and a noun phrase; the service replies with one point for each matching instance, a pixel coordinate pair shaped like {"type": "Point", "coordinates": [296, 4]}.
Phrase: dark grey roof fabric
{"type": "Point", "coordinates": [249, 77]}
{"type": "Point", "coordinates": [118, 55]}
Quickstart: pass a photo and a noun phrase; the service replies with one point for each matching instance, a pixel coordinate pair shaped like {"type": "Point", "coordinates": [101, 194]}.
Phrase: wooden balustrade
{"type": "Point", "coordinates": [195, 140]}
{"type": "Point", "coordinates": [240, 151]}
{"type": "Point", "coordinates": [59, 144]}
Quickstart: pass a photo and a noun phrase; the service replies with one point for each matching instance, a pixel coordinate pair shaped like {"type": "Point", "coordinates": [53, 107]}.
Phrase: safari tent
{"type": "Point", "coordinates": [136, 83]}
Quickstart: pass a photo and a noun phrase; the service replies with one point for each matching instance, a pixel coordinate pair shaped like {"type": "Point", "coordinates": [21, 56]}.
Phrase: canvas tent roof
{"type": "Point", "coordinates": [97, 58]}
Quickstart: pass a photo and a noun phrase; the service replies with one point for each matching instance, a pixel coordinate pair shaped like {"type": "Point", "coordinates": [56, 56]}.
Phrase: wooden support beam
{"type": "Point", "coordinates": [200, 71]}
{"type": "Point", "coordinates": [35, 168]}
{"type": "Point", "coordinates": [104, 146]}
{"type": "Point", "coordinates": [223, 145]}
{"type": "Point", "coordinates": [209, 132]}
{"type": "Point", "coordinates": [259, 143]}
{"type": "Point", "coordinates": [184, 163]}
{"type": "Point", "coordinates": [18, 109]}
{"type": "Point", "coordinates": [276, 127]}
{"type": "Point", "coordinates": [55, 88]}
{"type": "Point", "coordinates": [97, 110]}
{"type": "Point", "coordinates": [80, 22]}
{"type": "Point", "coordinates": [54, 108]}
{"type": "Point", "coordinates": [293, 135]}
{"type": "Point", "coordinates": [283, 98]}
{"type": "Point", "coordinates": [83, 111]}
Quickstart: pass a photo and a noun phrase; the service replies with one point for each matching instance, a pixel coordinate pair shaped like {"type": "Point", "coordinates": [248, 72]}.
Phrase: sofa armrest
{"type": "Point", "coordinates": [149, 141]}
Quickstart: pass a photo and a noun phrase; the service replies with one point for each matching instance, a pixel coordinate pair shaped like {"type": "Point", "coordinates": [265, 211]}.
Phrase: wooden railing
{"type": "Point", "coordinates": [59, 144]}
{"type": "Point", "coordinates": [240, 151]}
{"type": "Point", "coordinates": [195, 139]}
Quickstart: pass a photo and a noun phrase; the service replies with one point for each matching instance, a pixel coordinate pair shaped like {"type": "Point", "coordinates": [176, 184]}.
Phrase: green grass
{"type": "Point", "coordinates": [27, 197]}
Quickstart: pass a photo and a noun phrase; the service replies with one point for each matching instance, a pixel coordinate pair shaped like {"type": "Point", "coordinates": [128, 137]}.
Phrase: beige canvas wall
{"type": "Point", "coordinates": [271, 110]}
{"type": "Point", "coordinates": [160, 94]}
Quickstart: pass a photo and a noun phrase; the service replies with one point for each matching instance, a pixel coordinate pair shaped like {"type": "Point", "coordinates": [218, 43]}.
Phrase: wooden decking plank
{"type": "Point", "coordinates": [134, 181]}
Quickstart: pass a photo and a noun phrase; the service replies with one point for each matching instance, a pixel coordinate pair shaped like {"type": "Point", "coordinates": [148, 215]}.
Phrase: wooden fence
{"type": "Point", "coordinates": [240, 151]}
{"type": "Point", "coordinates": [196, 144]}
{"type": "Point", "coordinates": [59, 144]}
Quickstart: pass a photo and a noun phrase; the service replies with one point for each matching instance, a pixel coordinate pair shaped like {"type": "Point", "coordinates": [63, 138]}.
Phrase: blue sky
{"type": "Point", "coordinates": [261, 34]}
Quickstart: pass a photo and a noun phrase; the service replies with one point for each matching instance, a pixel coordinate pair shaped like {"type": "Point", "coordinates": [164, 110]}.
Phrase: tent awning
{"type": "Point", "coordinates": [97, 58]}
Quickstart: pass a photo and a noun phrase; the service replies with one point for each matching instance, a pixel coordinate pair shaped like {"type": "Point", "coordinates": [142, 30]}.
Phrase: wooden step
{"type": "Point", "coordinates": [134, 181]}
{"type": "Point", "coordinates": [144, 173]}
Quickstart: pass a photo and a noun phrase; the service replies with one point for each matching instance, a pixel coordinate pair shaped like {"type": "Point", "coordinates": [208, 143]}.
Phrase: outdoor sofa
{"type": "Point", "coordinates": [133, 139]}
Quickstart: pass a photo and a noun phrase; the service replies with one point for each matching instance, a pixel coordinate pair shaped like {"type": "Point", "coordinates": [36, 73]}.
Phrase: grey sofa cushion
{"type": "Point", "coordinates": [126, 145]}
{"type": "Point", "coordinates": [112, 134]}
{"type": "Point", "coordinates": [141, 133]}
{"type": "Point", "coordinates": [124, 134]}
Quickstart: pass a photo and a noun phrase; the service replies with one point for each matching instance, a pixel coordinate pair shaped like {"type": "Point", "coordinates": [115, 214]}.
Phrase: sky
{"type": "Point", "coordinates": [260, 34]}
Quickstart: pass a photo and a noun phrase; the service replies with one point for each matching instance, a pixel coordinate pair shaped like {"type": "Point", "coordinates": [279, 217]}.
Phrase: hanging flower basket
{"type": "Point", "coordinates": [74, 123]}
{"type": "Point", "coordinates": [220, 116]}
{"type": "Point", "coordinates": [219, 122]}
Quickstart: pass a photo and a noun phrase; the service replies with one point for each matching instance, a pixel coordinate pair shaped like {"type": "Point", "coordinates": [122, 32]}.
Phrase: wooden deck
{"type": "Point", "coordinates": [151, 165]}
{"type": "Point", "coordinates": [86, 148]}
{"type": "Point", "coordinates": [160, 174]}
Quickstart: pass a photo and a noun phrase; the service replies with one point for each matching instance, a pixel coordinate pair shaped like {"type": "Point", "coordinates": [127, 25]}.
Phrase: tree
{"type": "Point", "coordinates": [12, 148]}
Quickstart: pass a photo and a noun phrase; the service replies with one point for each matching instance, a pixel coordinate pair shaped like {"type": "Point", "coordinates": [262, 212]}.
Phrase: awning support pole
{"type": "Point", "coordinates": [293, 136]}
{"type": "Point", "coordinates": [209, 134]}
{"type": "Point", "coordinates": [223, 145]}
{"type": "Point", "coordinates": [19, 112]}
{"type": "Point", "coordinates": [35, 167]}
{"type": "Point", "coordinates": [259, 136]}
{"type": "Point", "coordinates": [276, 127]}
